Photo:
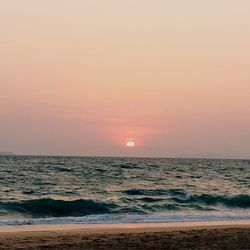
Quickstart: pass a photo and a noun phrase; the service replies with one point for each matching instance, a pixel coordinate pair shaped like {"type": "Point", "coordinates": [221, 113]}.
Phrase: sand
{"type": "Point", "coordinates": [184, 235]}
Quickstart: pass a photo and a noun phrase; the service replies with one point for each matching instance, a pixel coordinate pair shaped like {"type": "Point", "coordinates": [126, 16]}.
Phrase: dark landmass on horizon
{"type": "Point", "coordinates": [6, 153]}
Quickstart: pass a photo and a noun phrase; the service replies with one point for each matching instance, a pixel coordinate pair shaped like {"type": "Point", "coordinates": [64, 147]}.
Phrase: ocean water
{"type": "Point", "coordinates": [51, 190]}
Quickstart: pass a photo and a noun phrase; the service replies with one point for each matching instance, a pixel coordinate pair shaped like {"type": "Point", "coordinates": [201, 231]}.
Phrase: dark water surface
{"type": "Point", "coordinates": [37, 190]}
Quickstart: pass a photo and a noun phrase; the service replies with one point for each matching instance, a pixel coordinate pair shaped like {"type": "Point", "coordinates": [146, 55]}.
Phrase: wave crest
{"type": "Point", "coordinates": [241, 201]}
{"type": "Point", "coordinates": [57, 208]}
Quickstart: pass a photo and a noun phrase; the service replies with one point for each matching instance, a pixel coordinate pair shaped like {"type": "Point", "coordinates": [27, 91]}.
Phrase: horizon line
{"type": "Point", "coordinates": [136, 157]}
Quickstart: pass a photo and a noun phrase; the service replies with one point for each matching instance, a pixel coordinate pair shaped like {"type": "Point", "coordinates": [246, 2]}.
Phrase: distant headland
{"type": "Point", "coordinates": [6, 153]}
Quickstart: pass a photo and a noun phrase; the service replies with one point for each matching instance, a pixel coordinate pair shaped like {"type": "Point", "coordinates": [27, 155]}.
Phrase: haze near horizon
{"type": "Point", "coordinates": [125, 78]}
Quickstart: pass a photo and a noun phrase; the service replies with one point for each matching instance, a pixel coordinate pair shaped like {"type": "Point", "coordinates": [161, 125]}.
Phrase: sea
{"type": "Point", "coordinates": [66, 190]}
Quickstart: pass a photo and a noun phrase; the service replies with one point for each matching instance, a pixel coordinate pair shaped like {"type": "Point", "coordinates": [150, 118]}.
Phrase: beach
{"type": "Point", "coordinates": [179, 235]}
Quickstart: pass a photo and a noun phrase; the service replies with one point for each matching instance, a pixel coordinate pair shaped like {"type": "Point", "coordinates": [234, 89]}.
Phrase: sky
{"type": "Point", "coordinates": [88, 77]}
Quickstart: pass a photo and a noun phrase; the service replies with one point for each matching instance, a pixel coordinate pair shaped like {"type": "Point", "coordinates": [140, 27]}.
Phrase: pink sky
{"type": "Point", "coordinates": [83, 77]}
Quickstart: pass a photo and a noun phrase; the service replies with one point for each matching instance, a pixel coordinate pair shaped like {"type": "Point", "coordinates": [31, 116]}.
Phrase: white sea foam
{"type": "Point", "coordinates": [158, 217]}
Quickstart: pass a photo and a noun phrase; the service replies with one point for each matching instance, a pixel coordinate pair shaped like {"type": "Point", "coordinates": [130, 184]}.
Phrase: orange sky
{"type": "Point", "coordinates": [83, 77]}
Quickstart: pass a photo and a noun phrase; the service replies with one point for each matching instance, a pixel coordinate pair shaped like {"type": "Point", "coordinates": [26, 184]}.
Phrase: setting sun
{"type": "Point", "coordinates": [130, 143]}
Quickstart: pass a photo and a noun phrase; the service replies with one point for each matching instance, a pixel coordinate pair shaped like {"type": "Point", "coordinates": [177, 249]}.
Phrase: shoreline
{"type": "Point", "coordinates": [113, 227]}
{"type": "Point", "coordinates": [170, 235]}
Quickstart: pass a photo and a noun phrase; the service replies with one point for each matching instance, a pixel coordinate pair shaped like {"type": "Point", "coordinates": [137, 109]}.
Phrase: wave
{"type": "Point", "coordinates": [171, 191]}
{"type": "Point", "coordinates": [181, 197]}
{"type": "Point", "coordinates": [135, 191]}
{"type": "Point", "coordinates": [57, 208]}
{"type": "Point", "coordinates": [144, 203]}
{"type": "Point", "coordinates": [240, 201]}
{"type": "Point", "coordinates": [150, 199]}
{"type": "Point", "coordinates": [127, 165]}
{"type": "Point", "coordinates": [62, 169]}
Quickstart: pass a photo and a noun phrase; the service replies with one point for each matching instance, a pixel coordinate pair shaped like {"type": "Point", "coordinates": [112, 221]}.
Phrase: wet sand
{"type": "Point", "coordinates": [186, 235]}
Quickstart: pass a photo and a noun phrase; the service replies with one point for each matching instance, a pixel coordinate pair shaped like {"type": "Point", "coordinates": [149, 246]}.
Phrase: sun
{"type": "Point", "coordinates": [130, 143]}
